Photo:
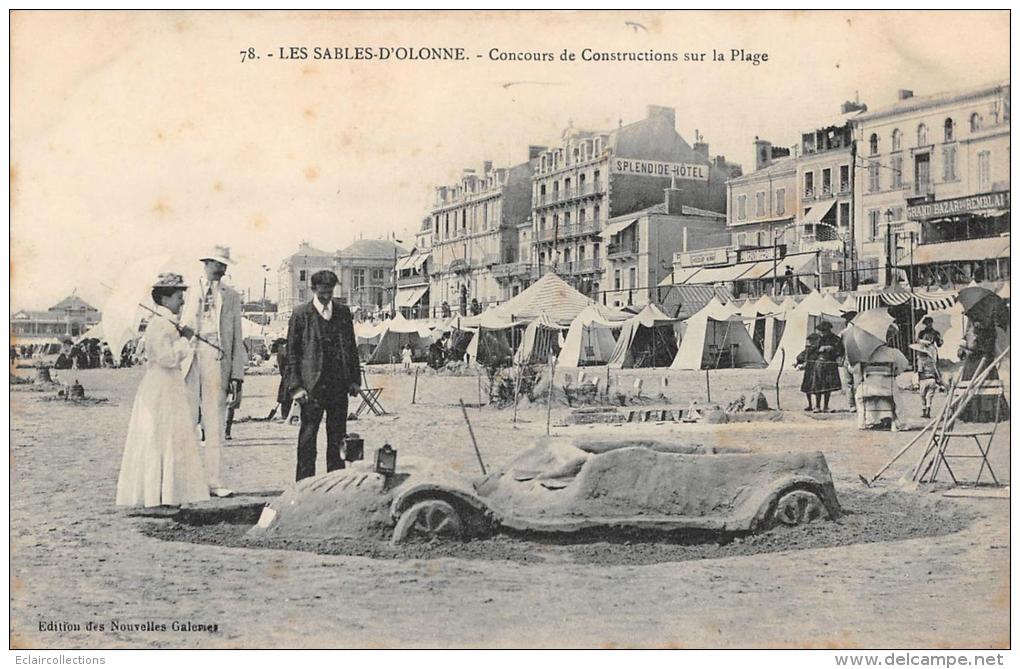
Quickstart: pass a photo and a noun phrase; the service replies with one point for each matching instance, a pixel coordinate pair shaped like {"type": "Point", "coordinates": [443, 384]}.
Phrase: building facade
{"type": "Point", "coordinates": [71, 317]}
{"type": "Point", "coordinates": [413, 284]}
{"type": "Point", "coordinates": [640, 246]}
{"type": "Point", "coordinates": [474, 247]}
{"type": "Point", "coordinates": [932, 192]}
{"type": "Point", "coordinates": [366, 272]}
{"type": "Point", "coordinates": [294, 274]}
{"type": "Point", "coordinates": [595, 176]}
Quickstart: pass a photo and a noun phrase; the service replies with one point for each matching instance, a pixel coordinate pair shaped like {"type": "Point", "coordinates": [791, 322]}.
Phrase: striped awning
{"type": "Point", "coordinates": [890, 298]}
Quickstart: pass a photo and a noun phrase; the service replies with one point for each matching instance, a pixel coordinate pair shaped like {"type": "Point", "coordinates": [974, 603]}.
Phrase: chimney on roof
{"type": "Point", "coordinates": [535, 151]}
{"type": "Point", "coordinates": [904, 93]}
{"type": "Point", "coordinates": [486, 167]}
{"type": "Point", "coordinates": [665, 113]}
{"type": "Point", "coordinates": [852, 106]}
{"type": "Point", "coordinates": [674, 198]}
{"type": "Point", "coordinates": [762, 153]}
{"type": "Point", "coordinates": [700, 145]}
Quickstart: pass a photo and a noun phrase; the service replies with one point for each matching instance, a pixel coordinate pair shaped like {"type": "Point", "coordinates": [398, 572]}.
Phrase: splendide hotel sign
{"type": "Point", "coordinates": [655, 168]}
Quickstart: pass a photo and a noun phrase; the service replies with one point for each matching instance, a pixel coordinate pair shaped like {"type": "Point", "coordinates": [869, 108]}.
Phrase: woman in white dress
{"type": "Point", "coordinates": [161, 465]}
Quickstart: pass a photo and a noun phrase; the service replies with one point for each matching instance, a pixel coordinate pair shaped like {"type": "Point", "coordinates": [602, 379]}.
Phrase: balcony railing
{"type": "Point", "coordinates": [412, 280]}
{"type": "Point", "coordinates": [809, 193]}
{"type": "Point", "coordinates": [844, 187]}
{"type": "Point", "coordinates": [511, 269]}
{"type": "Point", "coordinates": [458, 265]}
{"type": "Point", "coordinates": [622, 250]}
{"type": "Point", "coordinates": [579, 229]}
{"type": "Point", "coordinates": [581, 190]}
{"type": "Point", "coordinates": [826, 190]}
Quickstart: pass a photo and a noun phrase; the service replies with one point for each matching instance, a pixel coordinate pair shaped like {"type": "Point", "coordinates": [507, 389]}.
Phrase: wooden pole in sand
{"type": "Point", "coordinates": [548, 397]}
{"type": "Point", "coordinates": [782, 363]}
{"type": "Point", "coordinates": [517, 389]}
{"type": "Point", "coordinates": [708, 385]}
{"type": "Point", "coordinates": [414, 390]}
{"type": "Point", "coordinates": [471, 432]}
{"type": "Point", "coordinates": [479, 391]}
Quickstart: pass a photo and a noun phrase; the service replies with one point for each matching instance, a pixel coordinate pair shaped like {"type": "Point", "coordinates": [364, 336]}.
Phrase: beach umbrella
{"type": "Point", "coordinates": [983, 305]}
{"type": "Point", "coordinates": [888, 354]}
{"type": "Point", "coordinates": [130, 299]}
{"type": "Point", "coordinates": [866, 333]}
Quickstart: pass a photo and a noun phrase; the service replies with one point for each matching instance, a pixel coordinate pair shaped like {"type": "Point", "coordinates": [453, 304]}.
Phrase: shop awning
{"type": "Point", "coordinates": [617, 228]}
{"type": "Point", "coordinates": [967, 249]}
{"type": "Point", "coordinates": [677, 277]}
{"type": "Point", "coordinates": [816, 213]}
{"type": "Point", "coordinates": [767, 269]}
{"type": "Point", "coordinates": [720, 274]}
{"type": "Point", "coordinates": [412, 261]}
{"type": "Point", "coordinates": [892, 297]}
{"type": "Point", "coordinates": [408, 297]}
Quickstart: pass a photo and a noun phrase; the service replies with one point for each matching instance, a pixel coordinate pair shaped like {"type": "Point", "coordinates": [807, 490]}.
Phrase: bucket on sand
{"type": "Point", "coordinates": [353, 448]}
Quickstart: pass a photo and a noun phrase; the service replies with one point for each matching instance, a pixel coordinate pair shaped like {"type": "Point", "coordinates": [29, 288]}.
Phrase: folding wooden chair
{"type": "Point", "coordinates": [369, 399]}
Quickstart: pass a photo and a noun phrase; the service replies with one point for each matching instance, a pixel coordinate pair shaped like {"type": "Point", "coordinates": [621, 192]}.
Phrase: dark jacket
{"type": "Point", "coordinates": [304, 347]}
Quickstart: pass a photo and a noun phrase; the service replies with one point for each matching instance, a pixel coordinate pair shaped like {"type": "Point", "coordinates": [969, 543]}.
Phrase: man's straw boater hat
{"type": "Point", "coordinates": [220, 254]}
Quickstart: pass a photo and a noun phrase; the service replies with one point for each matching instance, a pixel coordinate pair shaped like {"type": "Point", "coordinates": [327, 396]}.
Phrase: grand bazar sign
{"type": "Point", "coordinates": [655, 168]}
{"type": "Point", "coordinates": [959, 205]}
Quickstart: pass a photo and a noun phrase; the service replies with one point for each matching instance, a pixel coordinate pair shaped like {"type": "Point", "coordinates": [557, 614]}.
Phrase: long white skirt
{"type": "Point", "coordinates": [161, 462]}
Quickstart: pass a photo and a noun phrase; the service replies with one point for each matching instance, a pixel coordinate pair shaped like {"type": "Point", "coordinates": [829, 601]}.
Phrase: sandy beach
{"type": "Point", "coordinates": [899, 570]}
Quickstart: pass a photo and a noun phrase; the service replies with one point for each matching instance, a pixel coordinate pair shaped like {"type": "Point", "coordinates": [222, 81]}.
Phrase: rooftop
{"type": "Point", "coordinates": [376, 249]}
{"type": "Point", "coordinates": [916, 102]}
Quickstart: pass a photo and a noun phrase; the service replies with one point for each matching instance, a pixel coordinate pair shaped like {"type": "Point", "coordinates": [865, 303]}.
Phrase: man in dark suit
{"type": "Point", "coordinates": [322, 368]}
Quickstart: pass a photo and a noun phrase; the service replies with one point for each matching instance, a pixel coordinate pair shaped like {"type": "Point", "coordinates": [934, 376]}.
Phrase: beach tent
{"type": "Point", "coordinates": [495, 339]}
{"type": "Point", "coordinates": [541, 339]}
{"type": "Point", "coordinates": [366, 337]}
{"type": "Point", "coordinates": [764, 321]}
{"type": "Point", "coordinates": [800, 322]}
{"type": "Point", "coordinates": [646, 340]}
{"type": "Point", "coordinates": [551, 295]}
{"type": "Point", "coordinates": [250, 328]}
{"type": "Point", "coordinates": [394, 334]}
{"type": "Point", "coordinates": [715, 337]}
{"type": "Point", "coordinates": [592, 336]}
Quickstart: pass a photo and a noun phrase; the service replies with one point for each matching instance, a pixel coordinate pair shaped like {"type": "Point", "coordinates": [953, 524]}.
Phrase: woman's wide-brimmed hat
{"type": "Point", "coordinates": [220, 254]}
{"type": "Point", "coordinates": [170, 280]}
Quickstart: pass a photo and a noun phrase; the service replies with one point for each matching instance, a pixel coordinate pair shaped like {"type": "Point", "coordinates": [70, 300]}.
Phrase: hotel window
{"type": "Point", "coordinates": [302, 275]}
{"type": "Point", "coordinates": [566, 219]}
{"type": "Point", "coordinates": [541, 223]}
{"type": "Point", "coordinates": [975, 122]}
{"type": "Point", "coordinates": [873, 145]}
{"type": "Point", "coordinates": [844, 178]}
{"type": "Point", "coordinates": [618, 279]}
{"type": "Point", "coordinates": [780, 201]}
{"type": "Point", "coordinates": [595, 216]}
{"type": "Point", "coordinates": [897, 171]}
{"type": "Point", "coordinates": [897, 140]}
{"type": "Point", "coordinates": [741, 207]}
{"type": "Point", "coordinates": [948, 127]}
{"type": "Point", "coordinates": [922, 135]}
{"type": "Point", "coordinates": [826, 181]}
{"type": "Point", "coordinates": [595, 181]}
{"type": "Point", "coordinates": [873, 219]}
{"type": "Point", "coordinates": [377, 275]}
{"type": "Point", "coordinates": [358, 279]}
{"type": "Point", "coordinates": [633, 277]}
{"type": "Point", "coordinates": [874, 183]}
{"type": "Point", "coordinates": [844, 214]}
{"type": "Point", "coordinates": [582, 213]}
{"type": "Point", "coordinates": [949, 163]}
{"type": "Point", "coordinates": [556, 224]}
{"type": "Point", "coordinates": [984, 171]}
{"type": "Point", "coordinates": [759, 204]}
{"type": "Point", "coordinates": [809, 184]}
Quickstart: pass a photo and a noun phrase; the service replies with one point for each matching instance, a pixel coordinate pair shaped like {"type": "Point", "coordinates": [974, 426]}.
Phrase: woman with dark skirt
{"type": "Point", "coordinates": [806, 360]}
{"type": "Point", "coordinates": [826, 369]}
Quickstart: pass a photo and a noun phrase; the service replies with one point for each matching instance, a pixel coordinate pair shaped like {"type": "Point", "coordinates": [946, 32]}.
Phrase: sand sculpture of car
{"type": "Point", "coordinates": [565, 485]}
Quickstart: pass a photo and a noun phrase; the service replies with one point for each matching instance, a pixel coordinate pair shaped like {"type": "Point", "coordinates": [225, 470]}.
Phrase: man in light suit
{"type": "Point", "coordinates": [215, 372]}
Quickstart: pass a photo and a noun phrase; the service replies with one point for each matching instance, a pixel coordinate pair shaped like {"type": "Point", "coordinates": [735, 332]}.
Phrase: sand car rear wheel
{"type": "Point", "coordinates": [429, 520]}
{"type": "Point", "coordinates": [798, 507]}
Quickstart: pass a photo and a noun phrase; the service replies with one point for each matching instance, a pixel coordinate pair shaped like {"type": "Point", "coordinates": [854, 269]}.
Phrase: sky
{"type": "Point", "coordinates": [143, 133]}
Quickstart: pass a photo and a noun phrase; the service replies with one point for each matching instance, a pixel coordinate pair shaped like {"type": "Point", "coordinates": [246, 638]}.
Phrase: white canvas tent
{"type": "Point", "coordinates": [496, 337]}
{"type": "Point", "coordinates": [550, 295]}
{"type": "Point", "coordinates": [592, 336]}
{"type": "Point", "coordinates": [541, 339]}
{"type": "Point", "coordinates": [394, 335]}
{"type": "Point", "coordinates": [646, 340]}
{"type": "Point", "coordinates": [715, 336]}
{"type": "Point", "coordinates": [765, 321]}
{"type": "Point", "coordinates": [800, 322]}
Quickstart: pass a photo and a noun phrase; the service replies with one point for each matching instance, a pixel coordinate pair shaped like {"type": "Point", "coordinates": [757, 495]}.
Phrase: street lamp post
{"type": "Point", "coordinates": [889, 247]}
{"type": "Point", "coordinates": [265, 283]}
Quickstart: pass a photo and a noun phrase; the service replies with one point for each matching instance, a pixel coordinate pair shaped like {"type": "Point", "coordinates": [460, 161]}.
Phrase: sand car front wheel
{"type": "Point", "coordinates": [428, 520]}
{"type": "Point", "coordinates": [798, 507]}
